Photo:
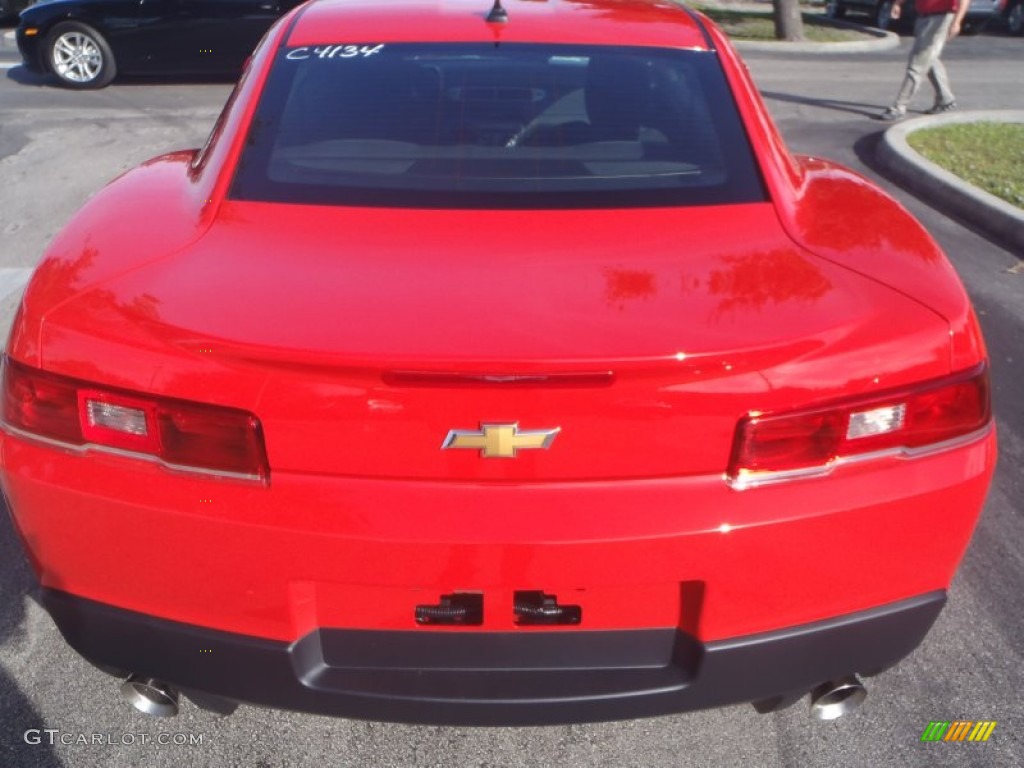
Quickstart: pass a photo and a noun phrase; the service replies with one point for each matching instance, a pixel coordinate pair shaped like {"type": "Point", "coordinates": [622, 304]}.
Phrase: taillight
{"type": "Point", "coordinates": [179, 433]}
{"type": "Point", "coordinates": [771, 447]}
{"type": "Point", "coordinates": [40, 403]}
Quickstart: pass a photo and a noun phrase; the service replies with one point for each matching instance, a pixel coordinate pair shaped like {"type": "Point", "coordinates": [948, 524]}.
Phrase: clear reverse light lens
{"type": "Point", "coordinates": [131, 421]}
{"type": "Point", "coordinates": [877, 421]}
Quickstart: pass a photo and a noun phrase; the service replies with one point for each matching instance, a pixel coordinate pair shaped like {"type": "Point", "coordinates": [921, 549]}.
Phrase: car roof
{"type": "Point", "coordinates": [660, 23]}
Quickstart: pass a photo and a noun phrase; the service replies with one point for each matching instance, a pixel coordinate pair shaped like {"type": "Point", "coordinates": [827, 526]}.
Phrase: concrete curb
{"type": "Point", "coordinates": [988, 212]}
{"type": "Point", "coordinates": [882, 41]}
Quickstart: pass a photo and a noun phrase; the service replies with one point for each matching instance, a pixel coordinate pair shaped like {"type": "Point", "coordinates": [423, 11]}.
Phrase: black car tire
{"type": "Point", "coordinates": [834, 10]}
{"type": "Point", "coordinates": [79, 56]}
{"type": "Point", "coordinates": [1015, 18]}
{"type": "Point", "coordinates": [883, 14]}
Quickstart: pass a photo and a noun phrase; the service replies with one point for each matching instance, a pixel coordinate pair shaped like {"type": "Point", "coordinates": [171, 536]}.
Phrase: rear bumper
{"type": "Point", "coordinates": [307, 552]}
{"type": "Point", "coordinates": [303, 594]}
{"type": "Point", "coordinates": [494, 678]}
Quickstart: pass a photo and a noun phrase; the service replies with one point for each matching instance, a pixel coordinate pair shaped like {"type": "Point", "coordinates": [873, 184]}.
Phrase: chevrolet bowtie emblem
{"type": "Point", "coordinates": [500, 441]}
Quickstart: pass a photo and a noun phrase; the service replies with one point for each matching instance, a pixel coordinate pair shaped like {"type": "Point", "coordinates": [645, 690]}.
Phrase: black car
{"type": "Point", "coordinates": [11, 8]}
{"type": "Point", "coordinates": [979, 12]}
{"type": "Point", "coordinates": [86, 43]}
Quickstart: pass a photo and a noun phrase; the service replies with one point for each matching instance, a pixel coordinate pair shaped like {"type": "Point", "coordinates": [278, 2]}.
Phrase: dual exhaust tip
{"type": "Point", "coordinates": [829, 700]}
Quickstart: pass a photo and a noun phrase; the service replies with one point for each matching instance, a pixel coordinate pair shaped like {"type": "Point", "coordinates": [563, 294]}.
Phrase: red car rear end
{"type": "Point", "coordinates": [555, 418]}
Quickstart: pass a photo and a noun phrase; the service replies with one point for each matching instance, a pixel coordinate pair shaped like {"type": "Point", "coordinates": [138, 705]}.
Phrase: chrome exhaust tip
{"type": "Point", "coordinates": [150, 696]}
{"type": "Point", "coordinates": [836, 698]}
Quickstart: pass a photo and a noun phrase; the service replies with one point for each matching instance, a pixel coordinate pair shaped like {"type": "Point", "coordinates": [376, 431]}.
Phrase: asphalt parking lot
{"type": "Point", "coordinates": [56, 147]}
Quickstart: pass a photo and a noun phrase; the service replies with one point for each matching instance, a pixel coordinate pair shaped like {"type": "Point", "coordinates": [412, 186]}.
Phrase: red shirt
{"type": "Point", "coordinates": [929, 7]}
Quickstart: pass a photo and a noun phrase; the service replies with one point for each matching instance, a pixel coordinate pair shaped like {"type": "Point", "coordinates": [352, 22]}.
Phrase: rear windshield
{"type": "Point", "coordinates": [470, 125]}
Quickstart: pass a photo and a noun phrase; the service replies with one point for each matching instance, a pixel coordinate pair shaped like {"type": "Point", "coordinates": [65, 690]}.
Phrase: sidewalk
{"type": "Point", "coordinates": [880, 40]}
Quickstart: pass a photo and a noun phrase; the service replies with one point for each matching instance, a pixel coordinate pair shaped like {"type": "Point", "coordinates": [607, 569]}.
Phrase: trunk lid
{"type": "Point", "coordinates": [362, 338]}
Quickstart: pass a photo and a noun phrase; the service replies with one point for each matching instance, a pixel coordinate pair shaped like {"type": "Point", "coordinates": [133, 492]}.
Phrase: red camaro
{"type": "Point", "coordinates": [494, 366]}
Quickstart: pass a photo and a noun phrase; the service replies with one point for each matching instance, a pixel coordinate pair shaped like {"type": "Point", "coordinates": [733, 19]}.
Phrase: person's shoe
{"type": "Point", "coordinates": [891, 115]}
{"type": "Point", "coordinates": [938, 109]}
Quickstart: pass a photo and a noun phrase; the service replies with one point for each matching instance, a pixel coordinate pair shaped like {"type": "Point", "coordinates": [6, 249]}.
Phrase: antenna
{"type": "Point", "coordinates": [497, 14]}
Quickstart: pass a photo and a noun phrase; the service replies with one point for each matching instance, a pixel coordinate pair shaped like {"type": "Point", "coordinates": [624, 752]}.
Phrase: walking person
{"type": "Point", "coordinates": [937, 21]}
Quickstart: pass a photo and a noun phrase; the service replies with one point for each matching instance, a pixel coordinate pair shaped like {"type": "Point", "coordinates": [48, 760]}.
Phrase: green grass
{"type": "Point", "coordinates": [988, 155]}
{"type": "Point", "coordinates": [754, 25]}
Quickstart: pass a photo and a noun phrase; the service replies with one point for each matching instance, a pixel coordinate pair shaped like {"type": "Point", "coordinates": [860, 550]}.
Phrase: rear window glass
{"type": "Point", "coordinates": [469, 125]}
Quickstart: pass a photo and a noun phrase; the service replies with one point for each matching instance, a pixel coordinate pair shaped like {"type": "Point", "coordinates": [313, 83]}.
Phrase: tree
{"type": "Point", "coordinates": [789, 24]}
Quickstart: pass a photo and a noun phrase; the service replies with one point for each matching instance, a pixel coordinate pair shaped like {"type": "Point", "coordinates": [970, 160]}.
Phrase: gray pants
{"type": "Point", "coordinates": [930, 34]}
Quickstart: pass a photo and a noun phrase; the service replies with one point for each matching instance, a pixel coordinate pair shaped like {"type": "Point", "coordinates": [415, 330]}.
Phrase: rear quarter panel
{"type": "Point", "coordinates": [841, 216]}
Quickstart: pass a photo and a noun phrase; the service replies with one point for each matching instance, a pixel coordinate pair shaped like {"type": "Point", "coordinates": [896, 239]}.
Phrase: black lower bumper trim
{"type": "Point", "coordinates": [531, 677]}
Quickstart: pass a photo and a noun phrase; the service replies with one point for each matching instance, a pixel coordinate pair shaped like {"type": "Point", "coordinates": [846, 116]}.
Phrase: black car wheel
{"type": "Point", "coordinates": [79, 56]}
{"type": "Point", "coordinates": [1015, 18]}
{"type": "Point", "coordinates": [834, 9]}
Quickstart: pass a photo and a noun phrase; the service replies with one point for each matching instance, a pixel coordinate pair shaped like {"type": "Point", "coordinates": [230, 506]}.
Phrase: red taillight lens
{"type": "Point", "coordinates": [216, 438]}
{"type": "Point", "coordinates": [907, 419]}
{"type": "Point", "coordinates": [40, 403]}
{"type": "Point", "coordinates": [179, 433]}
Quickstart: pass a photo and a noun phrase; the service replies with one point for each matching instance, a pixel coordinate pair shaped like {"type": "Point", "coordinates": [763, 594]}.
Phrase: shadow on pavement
{"type": "Point", "coordinates": [23, 76]}
{"type": "Point", "coordinates": [853, 107]}
{"type": "Point", "coordinates": [17, 714]}
{"type": "Point", "coordinates": [865, 149]}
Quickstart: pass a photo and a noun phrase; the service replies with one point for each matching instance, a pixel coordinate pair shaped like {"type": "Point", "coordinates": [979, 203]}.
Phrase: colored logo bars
{"type": "Point", "coordinates": [958, 730]}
